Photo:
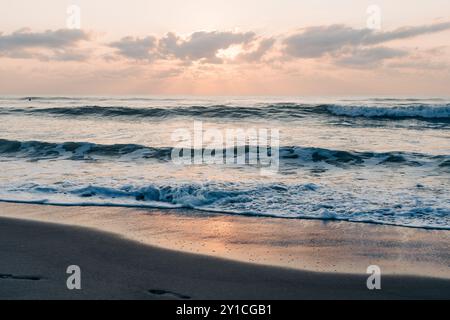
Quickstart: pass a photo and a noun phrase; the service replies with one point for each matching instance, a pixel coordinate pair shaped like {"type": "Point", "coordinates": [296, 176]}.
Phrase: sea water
{"type": "Point", "coordinates": [373, 160]}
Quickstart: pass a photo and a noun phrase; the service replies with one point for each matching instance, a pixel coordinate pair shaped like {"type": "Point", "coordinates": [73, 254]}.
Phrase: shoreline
{"type": "Point", "coordinates": [36, 255]}
{"type": "Point", "coordinates": [250, 215]}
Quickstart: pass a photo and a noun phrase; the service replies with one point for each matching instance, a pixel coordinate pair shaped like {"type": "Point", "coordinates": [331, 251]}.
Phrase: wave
{"type": "Point", "coordinates": [89, 98]}
{"type": "Point", "coordinates": [211, 111]}
{"type": "Point", "coordinates": [300, 201]}
{"type": "Point", "coordinates": [398, 99]}
{"type": "Point", "coordinates": [425, 112]}
{"type": "Point", "coordinates": [76, 150]}
{"type": "Point", "coordinates": [395, 112]}
{"type": "Point", "coordinates": [288, 155]}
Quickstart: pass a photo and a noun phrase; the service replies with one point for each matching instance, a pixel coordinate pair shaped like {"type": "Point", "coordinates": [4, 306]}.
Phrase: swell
{"type": "Point", "coordinates": [425, 112]}
{"type": "Point", "coordinates": [288, 155]}
{"type": "Point", "coordinates": [75, 150]}
{"type": "Point", "coordinates": [213, 111]}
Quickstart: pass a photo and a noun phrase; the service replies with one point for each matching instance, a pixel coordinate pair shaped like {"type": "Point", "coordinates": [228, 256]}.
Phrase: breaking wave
{"type": "Point", "coordinates": [395, 112]}
{"type": "Point", "coordinates": [300, 201]}
{"type": "Point", "coordinates": [288, 155]}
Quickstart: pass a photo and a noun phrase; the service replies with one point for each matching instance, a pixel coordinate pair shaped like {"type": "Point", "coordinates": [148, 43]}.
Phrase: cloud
{"type": "Point", "coordinates": [71, 55]}
{"type": "Point", "coordinates": [424, 65]}
{"type": "Point", "coordinates": [23, 38]}
{"type": "Point", "coordinates": [314, 42]}
{"type": "Point", "coordinates": [168, 73]}
{"type": "Point", "coordinates": [136, 48]}
{"type": "Point", "coordinates": [339, 44]}
{"type": "Point", "coordinates": [59, 44]}
{"type": "Point", "coordinates": [406, 32]}
{"type": "Point", "coordinates": [202, 45]}
{"type": "Point", "coordinates": [368, 57]}
{"type": "Point", "coordinates": [263, 47]}
{"type": "Point", "coordinates": [199, 46]}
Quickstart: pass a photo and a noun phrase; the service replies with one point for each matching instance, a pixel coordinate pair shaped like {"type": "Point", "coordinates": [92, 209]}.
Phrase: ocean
{"type": "Point", "coordinates": [358, 159]}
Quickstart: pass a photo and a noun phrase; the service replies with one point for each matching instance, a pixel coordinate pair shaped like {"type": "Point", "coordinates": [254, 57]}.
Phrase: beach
{"type": "Point", "coordinates": [225, 150]}
{"type": "Point", "coordinates": [123, 260]}
{"type": "Point", "coordinates": [156, 197]}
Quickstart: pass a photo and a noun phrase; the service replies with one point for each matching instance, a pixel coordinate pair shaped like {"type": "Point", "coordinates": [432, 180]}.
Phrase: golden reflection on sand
{"type": "Point", "coordinates": [301, 244]}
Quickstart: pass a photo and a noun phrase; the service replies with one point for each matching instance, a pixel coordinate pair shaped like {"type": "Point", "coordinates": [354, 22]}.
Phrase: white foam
{"type": "Point", "coordinates": [410, 111]}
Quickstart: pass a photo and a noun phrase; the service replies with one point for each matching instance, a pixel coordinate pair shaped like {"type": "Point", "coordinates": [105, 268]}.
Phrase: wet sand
{"type": "Point", "coordinates": [312, 245]}
{"type": "Point", "coordinates": [35, 256]}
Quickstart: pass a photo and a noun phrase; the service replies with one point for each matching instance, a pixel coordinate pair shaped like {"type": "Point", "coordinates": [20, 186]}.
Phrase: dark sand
{"type": "Point", "coordinates": [35, 255]}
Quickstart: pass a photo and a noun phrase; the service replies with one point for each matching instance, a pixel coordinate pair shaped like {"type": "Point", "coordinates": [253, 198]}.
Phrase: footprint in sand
{"type": "Point", "coordinates": [160, 292]}
{"type": "Point", "coordinates": [14, 277]}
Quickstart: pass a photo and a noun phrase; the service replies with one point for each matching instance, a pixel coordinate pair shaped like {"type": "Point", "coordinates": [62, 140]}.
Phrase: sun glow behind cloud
{"type": "Point", "coordinates": [230, 53]}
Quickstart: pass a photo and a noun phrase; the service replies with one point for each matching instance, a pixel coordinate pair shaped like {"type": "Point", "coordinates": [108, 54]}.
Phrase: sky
{"type": "Point", "coordinates": [212, 47]}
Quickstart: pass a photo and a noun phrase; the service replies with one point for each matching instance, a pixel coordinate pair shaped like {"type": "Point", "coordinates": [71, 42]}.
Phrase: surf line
{"type": "Point", "coordinates": [231, 146]}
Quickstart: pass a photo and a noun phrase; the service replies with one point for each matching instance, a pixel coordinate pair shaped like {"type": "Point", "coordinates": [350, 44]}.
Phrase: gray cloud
{"type": "Point", "coordinates": [136, 48]}
{"type": "Point", "coordinates": [55, 55]}
{"type": "Point", "coordinates": [368, 57]}
{"type": "Point", "coordinates": [256, 55]}
{"type": "Point", "coordinates": [60, 44]}
{"type": "Point", "coordinates": [315, 42]}
{"type": "Point", "coordinates": [71, 55]}
{"type": "Point", "coordinates": [49, 39]}
{"type": "Point", "coordinates": [343, 45]}
{"type": "Point", "coordinates": [202, 45]}
{"type": "Point", "coordinates": [406, 32]}
{"type": "Point", "coordinates": [422, 66]}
